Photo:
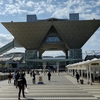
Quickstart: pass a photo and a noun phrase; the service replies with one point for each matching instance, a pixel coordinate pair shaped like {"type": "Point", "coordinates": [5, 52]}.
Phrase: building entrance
{"type": "Point", "coordinates": [44, 62]}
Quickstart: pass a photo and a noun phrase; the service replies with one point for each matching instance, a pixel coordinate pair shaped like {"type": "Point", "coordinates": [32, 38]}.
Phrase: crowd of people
{"type": "Point", "coordinates": [94, 76]}
{"type": "Point", "coordinates": [20, 80]}
{"type": "Point", "coordinates": [21, 83]}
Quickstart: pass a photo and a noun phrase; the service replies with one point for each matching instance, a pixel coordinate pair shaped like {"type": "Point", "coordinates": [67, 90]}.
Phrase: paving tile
{"type": "Point", "coordinates": [61, 87]}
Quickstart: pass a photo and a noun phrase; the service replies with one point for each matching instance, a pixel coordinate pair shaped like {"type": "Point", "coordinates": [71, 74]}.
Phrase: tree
{"type": "Point", "coordinates": [10, 66]}
{"type": "Point", "coordinates": [0, 65]}
{"type": "Point", "coordinates": [5, 66]}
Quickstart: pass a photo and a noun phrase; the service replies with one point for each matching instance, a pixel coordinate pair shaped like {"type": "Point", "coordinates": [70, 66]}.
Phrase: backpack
{"type": "Point", "coordinates": [17, 76]}
{"type": "Point", "coordinates": [33, 76]}
{"type": "Point", "coordinates": [20, 81]}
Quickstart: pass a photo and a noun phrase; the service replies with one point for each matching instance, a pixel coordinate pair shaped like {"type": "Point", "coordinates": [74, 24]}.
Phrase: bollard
{"type": "Point", "coordinates": [82, 81]}
{"type": "Point", "coordinates": [40, 80]}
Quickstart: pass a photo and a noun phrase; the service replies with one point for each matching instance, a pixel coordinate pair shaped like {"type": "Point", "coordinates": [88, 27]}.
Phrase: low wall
{"type": "Point", "coordinates": [3, 77]}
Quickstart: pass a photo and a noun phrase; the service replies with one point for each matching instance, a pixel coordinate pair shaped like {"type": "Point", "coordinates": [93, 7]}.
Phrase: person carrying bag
{"type": "Point", "coordinates": [21, 85]}
{"type": "Point", "coordinates": [33, 79]}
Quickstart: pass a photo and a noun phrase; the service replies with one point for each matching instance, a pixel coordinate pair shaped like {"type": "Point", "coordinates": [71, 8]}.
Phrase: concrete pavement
{"type": "Point", "coordinates": [61, 87]}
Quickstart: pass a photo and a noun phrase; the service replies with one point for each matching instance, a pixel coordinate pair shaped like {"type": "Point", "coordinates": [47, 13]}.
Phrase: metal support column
{"type": "Point", "coordinates": [57, 68]}
{"type": "Point", "coordinates": [88, 75]}
{"type": "Point", "coordinates": [81, 73]}
{"type": "Point", "coordinates": [68, 71]}
{"type": "Point", "coordinates": [44, 66]}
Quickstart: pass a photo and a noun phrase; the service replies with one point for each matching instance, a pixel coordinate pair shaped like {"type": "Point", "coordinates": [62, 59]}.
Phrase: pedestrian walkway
{"type": "Point", "coordinates": [61, 87]}
{"type": "Point", "coordinates": [93, 89]}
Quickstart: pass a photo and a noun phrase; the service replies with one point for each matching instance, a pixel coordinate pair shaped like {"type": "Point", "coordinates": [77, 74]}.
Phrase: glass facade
{"type": "Point", "coordinates": [74, 16]}
{"type": "Point", "coordinates": [52, 40]}
{"type": "Point", "coordinates": [75, 54]}
{"type": "Point", "coordinates": [29, 55]}
{"type": "Point", "coordinates": [31, 18]}
{"type": "Point", "coordinates": [52, 36]}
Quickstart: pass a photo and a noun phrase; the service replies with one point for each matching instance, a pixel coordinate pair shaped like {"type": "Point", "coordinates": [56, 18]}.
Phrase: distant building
{"type": "Point", "coordinates": [31, 18]}
{"type": "Point", "coordinates": [13, 60]}
{"type": "Point", "coordinates": [40, 35]}
{"type": "Point", "coordinates": [74, 16]}
{"type": "Point", "coordinates": [91, 54]}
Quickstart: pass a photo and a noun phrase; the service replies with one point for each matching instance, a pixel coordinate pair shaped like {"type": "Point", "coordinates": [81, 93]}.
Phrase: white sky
{"type": "Point", "coordinates": [16, 10]}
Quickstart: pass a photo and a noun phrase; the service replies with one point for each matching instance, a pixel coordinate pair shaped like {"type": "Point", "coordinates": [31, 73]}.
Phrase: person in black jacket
{"type": "Point", "coordinates": [21, 85]}
{"type": "Point", "coordinates": [77, 76]}
{"type": "Point", "coordinates": [33, 77]}
{"type": "Point", "coordinates": [49, 76]}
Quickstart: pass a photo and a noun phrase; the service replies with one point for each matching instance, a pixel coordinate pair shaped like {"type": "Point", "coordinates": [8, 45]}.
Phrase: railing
{"type": "Point", "coordinates": [91, 53]}
{"type": "Point", "coordinates": [6, 47]}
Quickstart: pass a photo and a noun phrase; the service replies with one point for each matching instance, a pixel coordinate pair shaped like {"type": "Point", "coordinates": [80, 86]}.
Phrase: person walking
{"type": "Point", "coordinates": [14, 77]}
{"type": "Point", "coordinates": [17, 77]}
{"type": "Point", "coordinates": [21, 85]}
{"type": "Point", "coordinates": [9, 77]}
{"type": "Point", "coordinates": [77, 76]}
{"type": "Point", "coordinates": [49, 76]}
{"type": "Point", "coordinates": [30, 73]}
{"type": "Point", "coordinates": [99, 77]}
{"type": "Point", "coordinates": [33, 74]}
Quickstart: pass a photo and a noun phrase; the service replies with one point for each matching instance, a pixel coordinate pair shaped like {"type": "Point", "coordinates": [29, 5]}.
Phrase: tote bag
{"type": "Point", "coordinates": [26, 90]}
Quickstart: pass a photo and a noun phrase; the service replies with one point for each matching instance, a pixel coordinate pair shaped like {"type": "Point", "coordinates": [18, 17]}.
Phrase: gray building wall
{"type": "Point", "coordinates": [74, 16]}
{"type": "Point", "coordinates": [75, 54]}
{"type": "Point", "coordinates": [30, 55]}
{"type": "Point", "coordinates": [31, 18]}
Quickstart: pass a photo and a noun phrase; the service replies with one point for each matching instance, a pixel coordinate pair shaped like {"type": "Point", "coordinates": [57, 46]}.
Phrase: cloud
{"type": "Point", "coordinates": [93, 42]}
{"type": "Point", "coordinates": [30, 4]}
{"type": "Point", "coordinates": [50, 9]}
{"type": "Point", "coordinates": [49, 1]}
{"type": "Point", "coordinates": [87, 9]}
{"type": "Point", "coordinates": [97, 3]}
{"type": "Point", "coordinates": [5, 39]}
{"type": "Point", "coordinates": [10, 1]}
{"type": "Point", "coordinates": [16, 50]}
{"type": "Point", "coordinates": [1, 2]}
{"type": "Point", "coordinates": [57, 8]}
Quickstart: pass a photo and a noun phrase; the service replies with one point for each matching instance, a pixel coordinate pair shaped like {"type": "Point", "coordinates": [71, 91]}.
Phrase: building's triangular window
{"type": "Point", "coordinates": [52, 40]}
{"type": "Point", "coordinates": [52, 36]}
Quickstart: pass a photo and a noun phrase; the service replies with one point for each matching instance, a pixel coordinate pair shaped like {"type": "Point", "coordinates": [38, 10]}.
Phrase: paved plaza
{"type": "Point", "coordinates": [61, 87]}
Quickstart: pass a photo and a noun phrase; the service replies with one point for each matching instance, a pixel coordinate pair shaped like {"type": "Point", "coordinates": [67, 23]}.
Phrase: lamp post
{"type": "Point", "coordinates": [44, 66]}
